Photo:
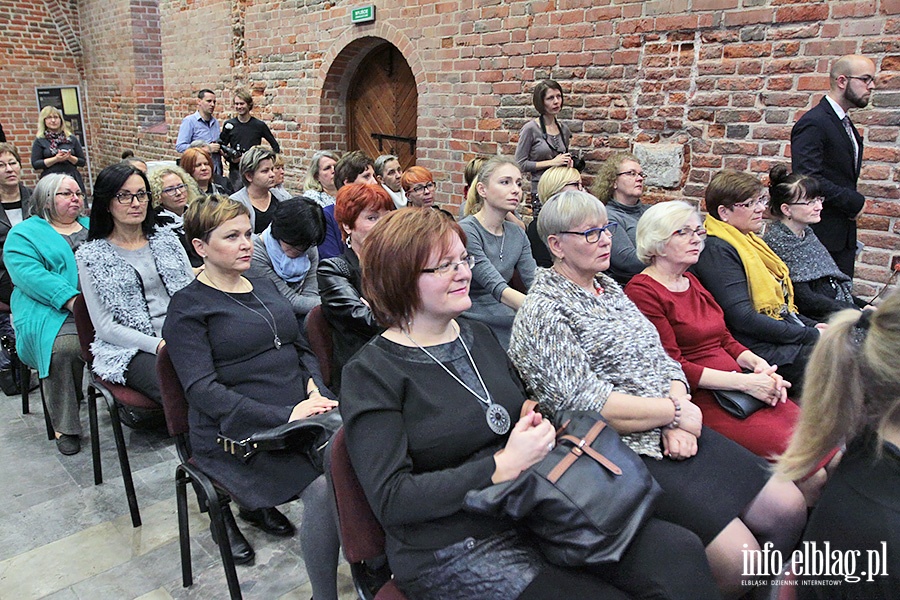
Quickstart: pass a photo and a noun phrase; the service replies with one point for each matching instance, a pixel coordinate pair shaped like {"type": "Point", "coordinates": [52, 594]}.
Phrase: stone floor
{"type": "Point", "coordinates": [63, 538]}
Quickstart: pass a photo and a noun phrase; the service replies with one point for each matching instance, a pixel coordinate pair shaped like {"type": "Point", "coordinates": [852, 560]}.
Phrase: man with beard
{"type": "Point", "coordinates": [826, 145]}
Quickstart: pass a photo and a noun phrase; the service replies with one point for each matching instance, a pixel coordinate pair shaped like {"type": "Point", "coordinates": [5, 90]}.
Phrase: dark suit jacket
{"type": "Point", "coordinates": [821, 148]}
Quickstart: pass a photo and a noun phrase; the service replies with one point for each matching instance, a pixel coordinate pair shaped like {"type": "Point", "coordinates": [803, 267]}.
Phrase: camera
{"type": "Point", "coordinates": [230, 153]}
{"type": "Point", "coordinates": [578, 162]}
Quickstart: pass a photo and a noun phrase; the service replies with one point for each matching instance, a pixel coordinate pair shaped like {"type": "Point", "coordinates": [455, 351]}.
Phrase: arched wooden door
{"type": "Point", "coordinates": [382, 105]}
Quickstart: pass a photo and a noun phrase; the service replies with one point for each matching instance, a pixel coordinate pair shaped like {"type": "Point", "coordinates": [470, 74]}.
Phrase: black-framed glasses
{"type": "Point", "coordinates": [817, 200]}
{"type": "Point", "coordinates": [127, 197]}
{"type": "Point", "coordinates": [174, 189]}
{"type": "Point", "coordinates": [592, 235]}
{"type": "Point", "coordinates": [751, 204]}
{"type": "Point", "coordinates": [69, 195]}
{"type": "Point", "coordinates": [422, 187]}
{"type": "Point", "coordinates": [632, 173]}
{"type": "Point", "coordinates": [452, 265]}
{"type": "Point", "coordinates": [686, 231]}
{"type": "Point", "coordinates": [575, 184]}
{"type": "Point", "coordinates": [866, 79]}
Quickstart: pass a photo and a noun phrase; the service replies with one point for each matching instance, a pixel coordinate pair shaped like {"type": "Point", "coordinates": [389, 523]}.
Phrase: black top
{"type": "Point", "coordinates": [858, 510]}
{"type": "Point", "coordinates": [721, 271]}
{"type": "Point", "coordinates": [352, 322]}
{"type": "Point", "coordinates": [264, 217]}
{"type": "Point", "coordinates": [419, 441]}
{"type": "Point", "coordinates": [40, 150]}
{"type": "Point", "coordinates": [6, 285]}
{"type": "Point", "coordinates": [236, 382]}
{"type": "Point", "coordinates": [243, 136]}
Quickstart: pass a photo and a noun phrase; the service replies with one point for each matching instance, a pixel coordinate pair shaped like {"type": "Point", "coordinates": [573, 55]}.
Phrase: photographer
{"type": "Point", "coordinates": [544, 141]}
{"type": "Point", "coordinates": [241, 133]}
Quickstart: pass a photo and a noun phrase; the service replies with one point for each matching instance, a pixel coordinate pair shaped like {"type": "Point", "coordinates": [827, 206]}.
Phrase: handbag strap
{"type": "Point", "coordinates": [580, 447]}
{"type": "Point", "coordinates": [527, 407]}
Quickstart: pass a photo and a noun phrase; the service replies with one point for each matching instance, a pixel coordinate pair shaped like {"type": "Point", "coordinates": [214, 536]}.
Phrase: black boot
{"type": "Point", "coordinates": [241, 550]}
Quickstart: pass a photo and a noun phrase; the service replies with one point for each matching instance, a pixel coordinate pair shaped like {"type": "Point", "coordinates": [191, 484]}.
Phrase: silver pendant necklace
{"type": "Point", "coordinates": [273, 326]}
{"type": "Point", "coordinates": [496, 416]}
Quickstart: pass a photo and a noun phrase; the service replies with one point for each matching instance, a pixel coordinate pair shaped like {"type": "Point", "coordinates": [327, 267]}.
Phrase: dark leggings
{"type": "Point", "coordinates": [141, 376]}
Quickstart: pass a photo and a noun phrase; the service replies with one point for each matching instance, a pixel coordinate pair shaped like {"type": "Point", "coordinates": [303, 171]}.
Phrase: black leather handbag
{"type": "Point", "coordinates": [738, 404]}
{"type": "Point", "coordinates": [585, 500]}
{"type": "Point", "coordinates": [309, 436]}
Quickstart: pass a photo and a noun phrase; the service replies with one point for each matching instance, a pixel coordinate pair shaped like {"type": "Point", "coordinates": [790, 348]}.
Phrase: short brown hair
{"type": "Point", "coordinates": [727, 188]}
{"type": "Point", "coordinates": [207, 213]}
{"type": "Point", "coordinates": [395, 252]}
{"type": "Point", "coordinates": [540, 92]}
{"type": "Point", "coordinates": [244, 95]}
{"type": "Point", "coordinates": [10, 149]}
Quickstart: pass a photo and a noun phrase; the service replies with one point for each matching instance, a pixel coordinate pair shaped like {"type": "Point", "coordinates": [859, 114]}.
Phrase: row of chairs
{"type": "Point", "coordinates": [362, 535]}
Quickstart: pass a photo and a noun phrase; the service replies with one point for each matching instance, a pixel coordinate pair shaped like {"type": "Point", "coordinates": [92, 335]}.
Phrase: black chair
{"type": "Point", "coordinates": [362, 537]}
{"type": "Point", "coordinates": [115, 395]}
{"type": "Point", "coordinates": [208, 493]}
{"type": "Point", "coordinates": [24, 375]}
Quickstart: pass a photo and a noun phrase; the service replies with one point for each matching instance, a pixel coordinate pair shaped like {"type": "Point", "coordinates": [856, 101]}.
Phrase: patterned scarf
{"type": "Point", "coordinates": [55, 139]}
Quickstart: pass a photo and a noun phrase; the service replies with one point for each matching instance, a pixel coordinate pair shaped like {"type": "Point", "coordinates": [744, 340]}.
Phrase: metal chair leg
{"type": "Point", "coordinates": [95, 435]}
{"type": "Point", "coordinates": [184, 534]}
{"type": "Point", "coordinates": [218, 523]}
{"type": "Point", "coordinates": [124, 464]}
{"type": "Point", "coordinates": [51, 433]}
{"type": "Point", "coordinates": [25, 382]}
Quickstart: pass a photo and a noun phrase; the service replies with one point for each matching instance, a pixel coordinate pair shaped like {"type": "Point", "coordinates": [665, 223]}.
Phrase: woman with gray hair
{"type": "Point", "coordinates": [691, 326]}
{"type": "Point", "coordinates": [39, 256]}
{"type": "Point", "coordinates": [580, 343]}
{"type": "Point", "coordinates": [258, 174]}
{"type": "Point", "coordinates": [319, 183]}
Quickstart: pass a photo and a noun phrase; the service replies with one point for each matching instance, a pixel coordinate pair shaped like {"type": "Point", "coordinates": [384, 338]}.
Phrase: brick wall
{"type": "Point", "coordinates": [725, 79]}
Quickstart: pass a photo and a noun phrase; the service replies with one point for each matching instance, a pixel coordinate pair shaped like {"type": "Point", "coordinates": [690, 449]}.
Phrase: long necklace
{"type": "Point", "coordinates": [496, 416]}
{"type": "Point", "coordinates": [502, 237]}
{"type": "Point", "coordinates": [273, 326]}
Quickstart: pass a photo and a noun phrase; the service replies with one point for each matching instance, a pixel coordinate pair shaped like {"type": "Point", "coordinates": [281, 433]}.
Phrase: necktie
{"type": "Point", "coordinates": [849, 129]}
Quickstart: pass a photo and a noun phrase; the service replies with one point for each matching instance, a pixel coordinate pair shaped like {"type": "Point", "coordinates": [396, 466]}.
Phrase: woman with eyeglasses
{"type": "Point", "coordinates": [691, 326]}
{"type": "Point", "coordinates": [56, 149]}
{"type": "Point", "coordinates": [39, 257]}
{"type": "Point", "coordinates": [431, 410]}
{"type": "Point", "coordinates": [498, 246]}
{"type": "Point", "coordinates": [129, 271]}
{"type": "Point", "coordinates": [820, 287]}
{"type": "Point", "coordinates": [619, 185]}
{"type": "Point", "coordinates": [580, 343]}
{"type": "Point", "coordinates": [418, 183]}
{"type": "Point", "coordinates": [172, 190]}
{"type": "Point", "coordinates": [749, 281]}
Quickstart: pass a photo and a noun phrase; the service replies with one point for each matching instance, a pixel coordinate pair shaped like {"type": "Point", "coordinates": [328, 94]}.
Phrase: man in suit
{"type": "Point", "coordinates": [826, 145]}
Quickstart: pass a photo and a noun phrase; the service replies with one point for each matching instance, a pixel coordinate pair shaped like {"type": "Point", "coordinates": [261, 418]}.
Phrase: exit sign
{"type": "Point", "coordinates": [363, 14]}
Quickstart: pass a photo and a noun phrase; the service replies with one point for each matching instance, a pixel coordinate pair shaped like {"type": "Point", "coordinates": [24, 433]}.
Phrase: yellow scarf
{"type": "Point", "coordinates": [767, 276]}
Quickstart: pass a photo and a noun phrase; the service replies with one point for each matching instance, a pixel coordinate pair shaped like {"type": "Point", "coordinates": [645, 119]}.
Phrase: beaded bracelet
{"type": "Point", "coordinates": [677, 419]}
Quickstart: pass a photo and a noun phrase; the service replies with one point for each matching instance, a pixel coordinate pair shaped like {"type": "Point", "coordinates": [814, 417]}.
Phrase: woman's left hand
{"type": "Point", "coordinates": [316, 405]}
{"type": "Point", "coordinates": [678, 444]}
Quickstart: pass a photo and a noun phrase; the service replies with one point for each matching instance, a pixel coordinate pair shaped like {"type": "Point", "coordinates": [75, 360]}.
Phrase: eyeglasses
{"type": "Point", "coordinates": [592, 236]}
{"type": "Point", "coordinates": [632, 173]}
{"type": "Point", "coordinates": [11, 164]}
{"type": "Point", "coordinates": [751, 204]}
{"type": "Point", "coordinates": [173, 190]}
{"type": "Point", "coordinates": [127, 197]}
{"type": "Point", "coordinates": [69, 195]}
{"type": "Point", "coordinates": [816, 200]}
{"type": "Point", "coordinates": [866, 79]}
{"type": "Point", "coordinates": [424, 187]}
{"type": "Point", "coordinates": [576, 184]}
{"type": "Point", "coordinates": [689, 231]}
{"type": "Point", "coordinates": [454, 266]}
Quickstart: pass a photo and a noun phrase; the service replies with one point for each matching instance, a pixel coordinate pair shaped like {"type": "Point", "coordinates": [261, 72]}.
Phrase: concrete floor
{"type": "Point", "coordinates": [64, 538]}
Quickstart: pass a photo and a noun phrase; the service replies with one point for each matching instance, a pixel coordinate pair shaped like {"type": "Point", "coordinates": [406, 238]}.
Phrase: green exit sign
{"type": "Point", "coordinates": [363, 14]}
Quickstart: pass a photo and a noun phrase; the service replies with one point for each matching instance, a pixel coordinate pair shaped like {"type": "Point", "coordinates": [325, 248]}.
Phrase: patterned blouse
{"type": "Point", "coordinates": [574, 349]}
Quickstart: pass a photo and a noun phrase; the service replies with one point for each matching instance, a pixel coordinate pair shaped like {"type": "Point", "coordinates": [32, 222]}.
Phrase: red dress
{"type": "Point", "coordinates": [692, 329]}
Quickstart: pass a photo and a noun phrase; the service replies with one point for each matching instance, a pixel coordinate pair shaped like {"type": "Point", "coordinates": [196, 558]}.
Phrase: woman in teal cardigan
{"type": "Point", "coordinates": [39, 255]}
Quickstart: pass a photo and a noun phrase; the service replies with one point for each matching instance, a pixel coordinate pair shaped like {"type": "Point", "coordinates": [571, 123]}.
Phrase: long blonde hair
{"type": "Point", "coordinates": [46, 112]}
{"type": "Point", "coordinates": [852, 385]}
{"type": "Point", "coordinates": [474, 200]}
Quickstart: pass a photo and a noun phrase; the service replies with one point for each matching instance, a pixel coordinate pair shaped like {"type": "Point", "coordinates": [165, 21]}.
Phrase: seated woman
{"type": "Point", "coordinates": [129, 271]}
{"type": "Point", "coordinates": [357, 209]}
{"type": "Point", "coordinates": [258, 175]}
{"type": "Point", "coordinates": [278, 190]}
{"type": "Point", "coordinates": [172, 190]}
{"type": "Point", "coordinates": [15, 206]}
{"type": "Point", "coordinates": [820, 287]}
{"type": "Point", "coordinates": [553, 181]}
{"type": "Point", "coordinates": [751, 284]}
{"type": "Point", "coordinates": [286, 253]}
{"type": "Point", "coordinates": [853, 396]}
{"type": "Point", "coordinates": [581, 344]}
{"type": "Point", "coordinates": [232, 341]}
{"type": "Point", "coordinates": [619, 185]}
{"type": "Point", "coordinates": [198, 163]}
{"type": "Point", "coordinates": [319, 183]}
{"type": "Point", "coordinates": [418, 184]}
{"type": "Point", "coordinates": [498, 247]}
{"type": "Point", "coordinates": [415, 402]}
{"type": "Point", "coordinates": [692, 329]}
{"type": "Point", "coordinates": [39, 256]}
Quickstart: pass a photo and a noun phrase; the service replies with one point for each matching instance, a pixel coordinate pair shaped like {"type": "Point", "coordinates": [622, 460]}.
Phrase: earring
{"type": "Point", "coordinates": [348, 240]}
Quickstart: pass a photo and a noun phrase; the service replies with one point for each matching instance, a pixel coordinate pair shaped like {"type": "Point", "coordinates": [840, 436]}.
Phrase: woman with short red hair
{"type": "Point", "coordinates": [418, 183]}
{"type": "Point", "coordinates": [197, 162]}
{"type": "Point", "coordinates": [357, 208]}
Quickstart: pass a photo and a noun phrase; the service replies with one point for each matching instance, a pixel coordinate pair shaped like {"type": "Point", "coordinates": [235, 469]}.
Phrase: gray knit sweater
{"type": "Point", "coordinates": [574, 349]}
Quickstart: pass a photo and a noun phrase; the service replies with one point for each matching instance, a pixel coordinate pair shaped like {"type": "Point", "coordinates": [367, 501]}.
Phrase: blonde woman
{"type": "Point", "coordinates": [56, 149]}
{"type": "Point", "coordinates": [853, 395]}
{"type": "Point", "coordinates": [173, 190]}
{"type": "Point", "coordinates": [319, 183]}
{"type": "Point", "coordinates": [554, 181]}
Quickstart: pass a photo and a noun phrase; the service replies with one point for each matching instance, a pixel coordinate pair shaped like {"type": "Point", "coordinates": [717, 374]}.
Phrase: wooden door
{"type": "Point", "coordinates": [382, 105]}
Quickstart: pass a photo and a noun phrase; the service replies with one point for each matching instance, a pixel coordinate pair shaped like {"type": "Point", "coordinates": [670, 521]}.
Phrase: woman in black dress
{"type": "Point", "coordinates": [232, 342]}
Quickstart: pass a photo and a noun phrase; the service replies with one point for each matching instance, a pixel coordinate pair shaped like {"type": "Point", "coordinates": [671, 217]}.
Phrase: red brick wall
{"type": "Point", "coordinates": [724, 78]}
